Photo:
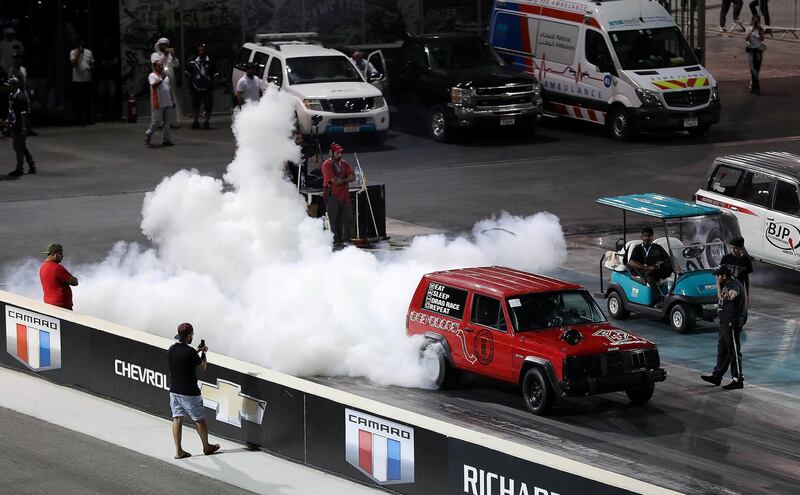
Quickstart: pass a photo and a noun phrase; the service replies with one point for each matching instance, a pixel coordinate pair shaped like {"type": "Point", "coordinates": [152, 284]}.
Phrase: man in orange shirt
{"type": "Point", "coordinates": [337, 175]}
{"type": "Point", "coordinates": [56, 280]}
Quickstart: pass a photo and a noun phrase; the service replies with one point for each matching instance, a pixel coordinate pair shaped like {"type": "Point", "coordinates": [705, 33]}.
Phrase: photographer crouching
{"type": "Point", "coordinates": [184, 394]}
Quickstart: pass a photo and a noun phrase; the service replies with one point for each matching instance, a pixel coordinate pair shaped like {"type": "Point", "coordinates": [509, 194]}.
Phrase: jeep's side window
{"type": "Point", "coordinates": [757, 189]}
{"type": "Point", "coordinates": [488, 311]}
{"type": "Point", "coordinates": [597, 50]}
{"type": "Point", "coordinates": [275, 71]}
{"type": "Point", "coordinates": [786, 198]}
{"type": "Point", "coordinates": [260, 59]}
{"type": "Point", "coordinates": [242, 58]}
{"type": "Point", "coordinates": [725, 180]}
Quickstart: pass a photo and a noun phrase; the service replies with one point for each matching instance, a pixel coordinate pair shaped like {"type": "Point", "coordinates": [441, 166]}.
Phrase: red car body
{"type": "Point", "coordinates": [545, 334]}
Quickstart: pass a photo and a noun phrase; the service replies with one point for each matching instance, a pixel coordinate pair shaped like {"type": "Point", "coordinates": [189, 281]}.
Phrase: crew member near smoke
{"type": "Point", "coordinates": [732, 310]}
{"type": "Point", "coordinates": [740, 264]}
{"type": "Point", "coordinates": [56, 280]}
{"type": "Point", "coordinates": [337, 174]}
{"type": "Point", "coordinates": [184, 394]}
{"type": "Point", "coordinates": [651, 261]}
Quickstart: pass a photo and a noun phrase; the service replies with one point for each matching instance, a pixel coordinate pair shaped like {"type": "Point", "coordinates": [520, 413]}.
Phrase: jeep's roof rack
{"type": "Point", "coordinates": [275, 40]}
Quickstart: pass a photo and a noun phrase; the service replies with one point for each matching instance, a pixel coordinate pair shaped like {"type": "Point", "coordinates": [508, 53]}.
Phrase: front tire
{"type": "Point", "coordinates": [681, 318]}
{"type": "Point", "coordinates": [616, 307]}
{"type": "Point", "coordinates": [536, 392]}
{"type": "Point", "coordinates": [641, 394]}
{"type": "Point", "coordinates": [620, 124]}
{"type": "Point", "coordinates": [438, 128]}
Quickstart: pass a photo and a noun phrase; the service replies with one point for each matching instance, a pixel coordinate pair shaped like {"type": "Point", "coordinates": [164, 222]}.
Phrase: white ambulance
{"type": "Point", "coordinates": [622, 63]}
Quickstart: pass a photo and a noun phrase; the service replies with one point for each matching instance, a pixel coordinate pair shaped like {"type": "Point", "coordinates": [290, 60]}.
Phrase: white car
{"type": "Point", "coordinates": [763, 191]}
{"type": "Point", "coordinates": [332, 96]}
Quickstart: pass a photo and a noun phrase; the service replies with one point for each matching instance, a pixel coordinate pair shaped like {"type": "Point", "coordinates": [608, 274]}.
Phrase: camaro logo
{"type": "Point", "coordinates": [34, 339]}
{"type": "Point", "coordinates": [381, 449]}
{"type": "Point", "coordinates": [231, 405]}
{"type": "Point", "coordinates": [617, 337]}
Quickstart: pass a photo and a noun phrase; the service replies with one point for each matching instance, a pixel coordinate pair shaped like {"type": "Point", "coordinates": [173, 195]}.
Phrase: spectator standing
{"type": "Point", "coordinates": [166, 54]}
{"type": "Point", "coordinates": [106, 70]}
{"type": "Point", "coordinates": [740, 265]}
{"type": "Point", "coordinates": [755, 47]}
{"type": "Point", "coordinates": [10, 45]}
{"type": "Point", "coordinates": [161, 104]}
{"type": "Point", "coordinates": [337, 175]}
{"type": "Point", "coordinates": [732, 309]}
{"type": "Point", "coordinates": [21, 73]}
{"type": "Point", "coordinates": [249, 87]}
{"type": "Point", "coordinates": [56, 280]}
{"type": "Point", "coordinates": [202, 73]}
{"type": "Point", "coordinates": [763, 6]}
{"type": "Point", "coordinates": [18, 121]}
{"type": "Point", "coordinates": [184, 394]}
{"type": "Point", "coordinates": [723, 13]}
{"type": "Point", "coordinates": [82, 61]}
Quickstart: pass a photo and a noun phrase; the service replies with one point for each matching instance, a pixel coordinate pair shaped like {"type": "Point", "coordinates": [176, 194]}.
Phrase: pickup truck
{"type": "Point", "coordinates": [457, 81]}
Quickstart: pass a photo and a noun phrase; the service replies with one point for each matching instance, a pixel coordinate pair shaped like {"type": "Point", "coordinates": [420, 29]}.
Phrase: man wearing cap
{"type": "Point", "coordinates": [732, 309]}
{"type": "Point", "coordinates": [166, 54]}
{"type": "Point", "coordinates": [82, 61]}
{"type": "Point", "coordinates": [9, 45]}
{"type": "Point", "coordinates": [740, 264]}
{"type": "Point", "coordinates": [337, 175]}
{"type": "Point", "coordinates": [249, 87]}
{"type": "Point", "coordinates": [56, 280]}
{"type": "Point", "coordinates": [18, 121]}
{"type": "Point", "coordinates": [184, 394]}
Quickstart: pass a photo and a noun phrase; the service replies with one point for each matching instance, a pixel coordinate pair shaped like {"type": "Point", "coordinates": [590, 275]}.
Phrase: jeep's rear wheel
{"type": "Point", "coordinates": [444, 375]}
{"type": "Point", "coordinates": [536, 392]}
{"type": "Point", "coordinates": [616, 308]}
{"type": "Point", "coordinates": [641, 394]}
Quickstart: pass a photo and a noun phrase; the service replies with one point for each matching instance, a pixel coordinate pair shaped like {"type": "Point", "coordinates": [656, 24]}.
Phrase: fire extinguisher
{"type": "Point", "coordinates": [133, 109]}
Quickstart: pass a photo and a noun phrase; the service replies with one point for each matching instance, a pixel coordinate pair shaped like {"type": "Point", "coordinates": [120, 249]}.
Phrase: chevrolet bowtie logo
{"type": "Point", "coordinates": [231, 404]}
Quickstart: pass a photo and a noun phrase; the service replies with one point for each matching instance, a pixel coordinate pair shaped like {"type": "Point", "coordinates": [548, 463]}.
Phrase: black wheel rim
{"type": "Point", "coordinates": [535, 394]}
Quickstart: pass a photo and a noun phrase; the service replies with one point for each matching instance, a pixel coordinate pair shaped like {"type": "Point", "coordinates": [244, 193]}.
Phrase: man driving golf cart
{"type": "Point", "coordinates": [652, 263]}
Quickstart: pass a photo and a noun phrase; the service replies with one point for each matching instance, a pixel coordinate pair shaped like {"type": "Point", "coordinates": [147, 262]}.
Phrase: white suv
{"type": "Point", "coordinates": [324, 81]}
{"type": "Point", "coordinates": [763, 191]}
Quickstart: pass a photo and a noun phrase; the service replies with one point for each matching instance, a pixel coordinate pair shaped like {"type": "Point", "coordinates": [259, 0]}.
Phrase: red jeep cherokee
{"type": "Point", "coordinates": [545, 334]}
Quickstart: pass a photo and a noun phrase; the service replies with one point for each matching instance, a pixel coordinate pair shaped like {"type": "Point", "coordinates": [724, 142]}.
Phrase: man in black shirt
{"type": "Point", "coordinates": [18, 120]}
{"type": "Point", "coordinates": [740, 264]}
{"type": "Point", "coordinates": [732, 308]}
{"type": "Point", "coordinates": [651, 261]}
{"type": "Point", "coordinates": [184, 394]}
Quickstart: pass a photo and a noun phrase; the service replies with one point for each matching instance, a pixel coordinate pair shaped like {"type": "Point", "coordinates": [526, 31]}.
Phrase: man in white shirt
{"type": "Point", "coordinates": [82, 62]}
{"type": "Point", "coordinates": [249, 87]}
{"type": "Point", "coordinates": [166, 54]}
{"type": "Point", "coordinates": [161, 103]}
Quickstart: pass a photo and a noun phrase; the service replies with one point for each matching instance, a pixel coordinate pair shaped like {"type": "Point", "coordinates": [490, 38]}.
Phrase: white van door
{"type": "Point", "coordinates": [596, 76]}
{"type": "Point", "coordinates": [782, 227]}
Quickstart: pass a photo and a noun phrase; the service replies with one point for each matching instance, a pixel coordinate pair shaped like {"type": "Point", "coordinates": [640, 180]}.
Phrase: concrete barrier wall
{"type": "Point", "coordinates": [348, 435]}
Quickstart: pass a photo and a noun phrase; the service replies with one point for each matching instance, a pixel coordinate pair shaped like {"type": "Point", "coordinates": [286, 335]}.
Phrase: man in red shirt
{"type": "Point", "coordinates": [337, 174]}
{"type": "Point", "coordinates": [56, 280]}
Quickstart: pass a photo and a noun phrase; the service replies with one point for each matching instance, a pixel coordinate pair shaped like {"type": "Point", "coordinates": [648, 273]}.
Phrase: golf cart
{"type": "Point", "coordinates": [695, 237]}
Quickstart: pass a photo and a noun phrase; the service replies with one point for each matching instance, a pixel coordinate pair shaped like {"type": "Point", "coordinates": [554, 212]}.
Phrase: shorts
{"type": "Point", "coordinates": [183, 404]}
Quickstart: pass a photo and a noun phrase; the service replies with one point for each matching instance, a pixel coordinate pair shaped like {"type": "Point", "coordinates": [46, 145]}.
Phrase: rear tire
{"type": "Point", "coordinates": [681, 317]}
{"type": "Point", "coordinates": [620, 125]}
{"type": "Point", "coordinates": [536, 392]}
{"type": "Point", "coordinates": [447, 376]}
{"type": "Point", "coordinates": [641, 394]}
{"type": "Point", "coordinates": [616, 307]}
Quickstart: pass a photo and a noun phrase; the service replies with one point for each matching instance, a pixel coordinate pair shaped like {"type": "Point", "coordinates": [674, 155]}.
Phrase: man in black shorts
{"type": "Point", "coordinates": [184, 394]}
{"type": "Point", "coordinates": [650, 261]}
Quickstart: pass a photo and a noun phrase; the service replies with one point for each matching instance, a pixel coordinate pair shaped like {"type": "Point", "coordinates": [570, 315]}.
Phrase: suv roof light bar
{"type": "Point", "coordinates": [277, 39]}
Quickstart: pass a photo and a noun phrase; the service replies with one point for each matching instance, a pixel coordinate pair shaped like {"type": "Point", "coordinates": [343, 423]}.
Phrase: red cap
{"type": "Point", "coordinates": [336, 148]}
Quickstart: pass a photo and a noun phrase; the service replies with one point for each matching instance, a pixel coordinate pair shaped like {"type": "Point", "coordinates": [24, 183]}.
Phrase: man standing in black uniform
{"type": "Point", "coordinates": [18, 120]}
{"type": "Point", "coordinates": [184, 394]}
{"type": "Point", "coordinates": [740, 265]}
{"type": "Point", "coordinates": [652, 262]}
{"type": "Point", "coordinates": [202, 74]}
{"type": "Point", "coordinates": [732, 309]}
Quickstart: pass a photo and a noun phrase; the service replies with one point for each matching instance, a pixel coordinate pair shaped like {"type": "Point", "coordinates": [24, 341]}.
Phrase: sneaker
{"type": "Point", "coordinates": [16, 173]}
{"type": "Point", "coordinates": [195, 125]}
{"type": "Point", "coordinates": [736, 384]}
{"type": "Point", "coordinates": [32, 169]}
{"type": "Point", "coordinates": [714, 380]}
{"type": "Point", "coordinates": [723, 29]}
{"type": "Point", "coordinates": [147, 139]}
{"type": "Point", "coordinates": [167, 143]}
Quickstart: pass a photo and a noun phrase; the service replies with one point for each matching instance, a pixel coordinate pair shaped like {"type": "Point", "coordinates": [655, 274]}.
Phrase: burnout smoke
{"type": "Point", "coordinates": [241, 260]}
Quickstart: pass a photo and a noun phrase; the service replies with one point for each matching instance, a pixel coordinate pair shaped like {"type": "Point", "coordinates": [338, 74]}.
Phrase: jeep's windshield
{"type": "Point", "coordinates": [311, 70]}
{"type": "Point", "coordinates": [553, 309]}
{"type": "Point", "coordinates": [461, 53]}
{"type": "Point", "coordinates": [652, 48]}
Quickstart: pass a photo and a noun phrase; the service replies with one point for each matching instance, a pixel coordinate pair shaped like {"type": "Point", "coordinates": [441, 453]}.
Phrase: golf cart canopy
{"type": "Point", "coordinates": [658, 206]}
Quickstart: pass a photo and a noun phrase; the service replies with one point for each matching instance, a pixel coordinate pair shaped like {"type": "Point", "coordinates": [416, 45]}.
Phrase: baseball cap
{"type": "Point", "coordinates": [336, 148]}
{"type": "Point", "coordinates": [53, 248]}
{"type": "Point", "coordinates": [184, 329]}
{"type": "Point", "coordinates": [162, 41]}
{"type": "Point", "coordinates": [723, 270]}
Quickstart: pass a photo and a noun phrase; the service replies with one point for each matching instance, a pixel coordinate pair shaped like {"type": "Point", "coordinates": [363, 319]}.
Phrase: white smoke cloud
{"type": "Point", "coordinates": [240, 259]}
